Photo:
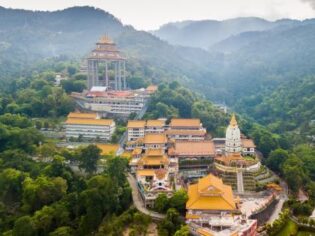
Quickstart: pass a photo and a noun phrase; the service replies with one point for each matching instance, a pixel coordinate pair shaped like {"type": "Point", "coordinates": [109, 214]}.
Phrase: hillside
{"type": "Point", "coordinates": [31, 36]}
{"type": "Point", "coordinates": [243, 66]}
{"type": "Point", "coordinates": [205, 33]}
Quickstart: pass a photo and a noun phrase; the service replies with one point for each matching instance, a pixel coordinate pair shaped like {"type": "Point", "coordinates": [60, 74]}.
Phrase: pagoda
{"type": "Point", "coordinates": [106, 53]}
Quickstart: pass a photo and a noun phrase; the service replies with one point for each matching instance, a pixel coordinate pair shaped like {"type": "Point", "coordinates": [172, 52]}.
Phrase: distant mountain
{"type": "Point", "coordinates": [247, 59]}
{"type": "Point", "coordinates": [205, 33]}
{"type": "Point", "coordinates": [34, 35]}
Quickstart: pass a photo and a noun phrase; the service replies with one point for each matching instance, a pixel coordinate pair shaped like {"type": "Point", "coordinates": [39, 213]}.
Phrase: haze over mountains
{"type": "Point", "coordinates": [241, 61]}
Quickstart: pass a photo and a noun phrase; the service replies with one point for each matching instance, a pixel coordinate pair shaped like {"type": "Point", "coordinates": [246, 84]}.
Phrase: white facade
{"type": "Point", "coordinates": [135, 133]}
{"type": "Point", "coordinates": [233, 137]}
{"type": "Point", "coordinates": [90, 131]}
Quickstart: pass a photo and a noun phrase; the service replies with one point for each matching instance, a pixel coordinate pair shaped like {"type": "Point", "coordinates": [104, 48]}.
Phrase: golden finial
{"type": "Point", "coordinates": [105, 39]}
{"type": "Point", "coordinates": [233, 121]}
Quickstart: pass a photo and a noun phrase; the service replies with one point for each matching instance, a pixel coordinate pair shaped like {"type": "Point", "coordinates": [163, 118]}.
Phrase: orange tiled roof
{"type": "Point", "coordinates": [210, 194]}
{"type": "Point", "coordinates": [79, 115]}
{"type": "Point", "coordinates": [100, 122]}
{"type": "Point", "coordinates": [154, 160]}
{"type": "Point", "coordinates": [152, 88]}
{"type": "Point", "coordinates": [160, 173]}
{"type": "Point", "coordinates": [145, 172]}
{"type": "Point", "coordinates": [175, 122]}
{"type": "Point", "coordinates": [228, 159]}
{"type": "Point", "coordinates": [136, 124]}
{"type": "Point", "coordinates": [194, 148]}
{"type": "Point", "coordinates": [155, 123]}
{"type": "Point", "coordinates": [108, 148]}
{"type": "Point", "coordinates": [155, 138]}
{"type": "Point", "coordinates": [137, 151]}
{"type": "Point", "coordinates": [154, 152]}
{"type": "Point", "coordinates": [248, 143]}
{"type": "Point", "coordinates": [185, 132]}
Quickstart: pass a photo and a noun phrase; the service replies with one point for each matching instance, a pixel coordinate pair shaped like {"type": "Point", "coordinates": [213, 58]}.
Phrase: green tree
{"type": "Point", "coordinates": [183, 231]}
{"type": "Point", "coordinates": [276, 159]}
{"type": "Point", "coordinates": [89, 157]}
{"type": "Point", "coordinates": [24, 226]}
{"type": "Point", "coordinates": [178, 200]}
{"type": "Point", "coordinates": [161, 203]}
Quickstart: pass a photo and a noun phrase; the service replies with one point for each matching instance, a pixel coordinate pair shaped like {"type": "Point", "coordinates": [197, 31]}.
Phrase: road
{"type": "Point", "coordinates": [137, 200]}
{"type": "Point", "coordinates": [278, 208]}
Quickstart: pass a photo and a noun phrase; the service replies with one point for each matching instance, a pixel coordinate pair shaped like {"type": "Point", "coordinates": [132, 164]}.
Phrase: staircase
{"type": "Point", "coordinates": [240, 184]}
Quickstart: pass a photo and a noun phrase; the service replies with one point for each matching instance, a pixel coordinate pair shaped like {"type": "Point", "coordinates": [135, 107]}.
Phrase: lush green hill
{"type": "Point", "coordinates": [31, 36]}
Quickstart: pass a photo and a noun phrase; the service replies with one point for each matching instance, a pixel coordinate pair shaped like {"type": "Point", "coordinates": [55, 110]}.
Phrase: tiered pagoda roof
{"type": "Point", "coordinates": [105, 50]}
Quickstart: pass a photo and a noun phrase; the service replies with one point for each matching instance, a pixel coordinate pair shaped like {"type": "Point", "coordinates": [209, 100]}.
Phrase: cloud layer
{"type": "Point", "coordinates": [311, 2]}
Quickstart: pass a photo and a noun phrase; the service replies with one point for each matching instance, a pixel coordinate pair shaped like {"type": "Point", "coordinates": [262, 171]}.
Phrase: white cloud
{"type": "Point", "coordinates": [311, 2]}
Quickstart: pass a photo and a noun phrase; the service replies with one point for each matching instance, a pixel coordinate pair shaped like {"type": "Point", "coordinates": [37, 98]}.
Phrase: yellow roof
{"type": "Point", "coordinates": [82, 115]}
{"type": "Point", "coordinates": [210, 194]}
{"type": "Point", "coordinates": [136, 124]}
{"type": "Point", "coordinates": [105, 39]}
{"type": "Point", "coordinates": [155, 138]}
{"type": "Point", "coordinates": [248, 143]}
{"type": "Point", "coordinates": [154, 152]}
{"type": "Point", "coordinates": [152, 88]}
{"type": "Point", "coordinates": [175, 122]}
{"type": "Point", "coordinates": [137, 151]}
{"type": "Point", "coordinates": [146, 172]}
{"type": "Point", "coordinates": [233, 121]}
{"type": "Point", "coordinates": [154, 160]}
{"type": "Point", "coordinates": [75, 121]}
{"type": "Point", "coordinates": [155, 123]}
{"type": "Point", "coordinates": [108, 148]}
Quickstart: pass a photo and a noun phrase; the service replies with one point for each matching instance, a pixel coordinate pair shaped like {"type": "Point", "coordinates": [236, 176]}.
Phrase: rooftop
{"type": "Point", "coordinates": [248, 143]}
{"type": "Point", "coordinates": [154, 160]}
{"type": "Point", "coordinates": [108, 148]}
{"type": "Point", "coordinates": [136, 124]}
{"type": "Point", "coordinates": [185, 132]}
{"type": "Point", "coordinates": [210, 194]}
{"type": "Point", "coordinates": [155, 139]}
{"type": "Point", "coordinates": [82, 115]}
{"type": "Point", "coordinates": [175, 122]}
{"type": "Point", "coordinates": [97, 122]}
{"type": "Point", "coordinates": [194, 148]}
{"type": "Point", "coordinates": [155, 123]}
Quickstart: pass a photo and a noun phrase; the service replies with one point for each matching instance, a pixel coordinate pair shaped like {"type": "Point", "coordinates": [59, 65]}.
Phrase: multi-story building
{"type": "Point", "coordinates": [155, 126]}
{"type": "Point", "coordinates": [89, 126]}
{"type": "Point", "coordinates": [213, 210]}
{"type": "Point", "coordinates": [186, 129]}
{"type": "Point", "coordinates": [135, 129]}
{"type": "Point", "coordinates": [193, 155]}
{"type": "Point", "coordinates": [114, 103]}
{"type": "Point", "coordinates": [155, 141]}
{"type": "Point", "coordinates": [138, 128]}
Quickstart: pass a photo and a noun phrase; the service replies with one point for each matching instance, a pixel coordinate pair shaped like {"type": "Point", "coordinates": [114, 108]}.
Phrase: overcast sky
{"type": "Point", "coordinates": [150, 14]}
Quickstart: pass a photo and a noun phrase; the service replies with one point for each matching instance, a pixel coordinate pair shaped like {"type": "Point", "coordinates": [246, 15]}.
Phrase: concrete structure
{"type": "Point", "coordinates": [89, 126]}
{"type": "Point", "coordinates": [233, 137]}
{"type": "Point", "coordinates": [213, 210]}
{"type": "Point", "coordinates": [193, 155]}
{"type": "Point", "coordinates": [186, 129]}
{"type": "Point", "coordinates": [138, 128]}
{"type": "Point", "coordinates": [106, 53]}
{"type": "Point", "coordinates": [112, 103]}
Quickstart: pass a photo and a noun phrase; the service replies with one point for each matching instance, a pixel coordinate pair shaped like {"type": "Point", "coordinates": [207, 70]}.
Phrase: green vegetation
{"type": "Point", "coordinates": [177, 201]}
{"type": "Point", "coordinates": [39, 198]}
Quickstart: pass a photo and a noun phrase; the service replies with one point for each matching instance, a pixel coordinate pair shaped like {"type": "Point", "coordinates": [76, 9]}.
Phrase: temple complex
{"type": "Point", "coordinates": [212, 209]}
{"type": "Point", "coordinates": [107, 91]}
{"type": "Point", "coordinates": [106, 53]}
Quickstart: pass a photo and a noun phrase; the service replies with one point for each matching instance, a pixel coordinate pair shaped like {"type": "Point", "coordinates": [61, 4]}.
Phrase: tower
{"type": "Point", "coordinates": [106, 54]}
{"type": "Point", "coordinates": [233, 137]}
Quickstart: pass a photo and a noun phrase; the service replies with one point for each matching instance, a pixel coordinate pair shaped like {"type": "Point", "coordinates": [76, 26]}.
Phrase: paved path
{"type": "Point", "coordinates": [137, 201]}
